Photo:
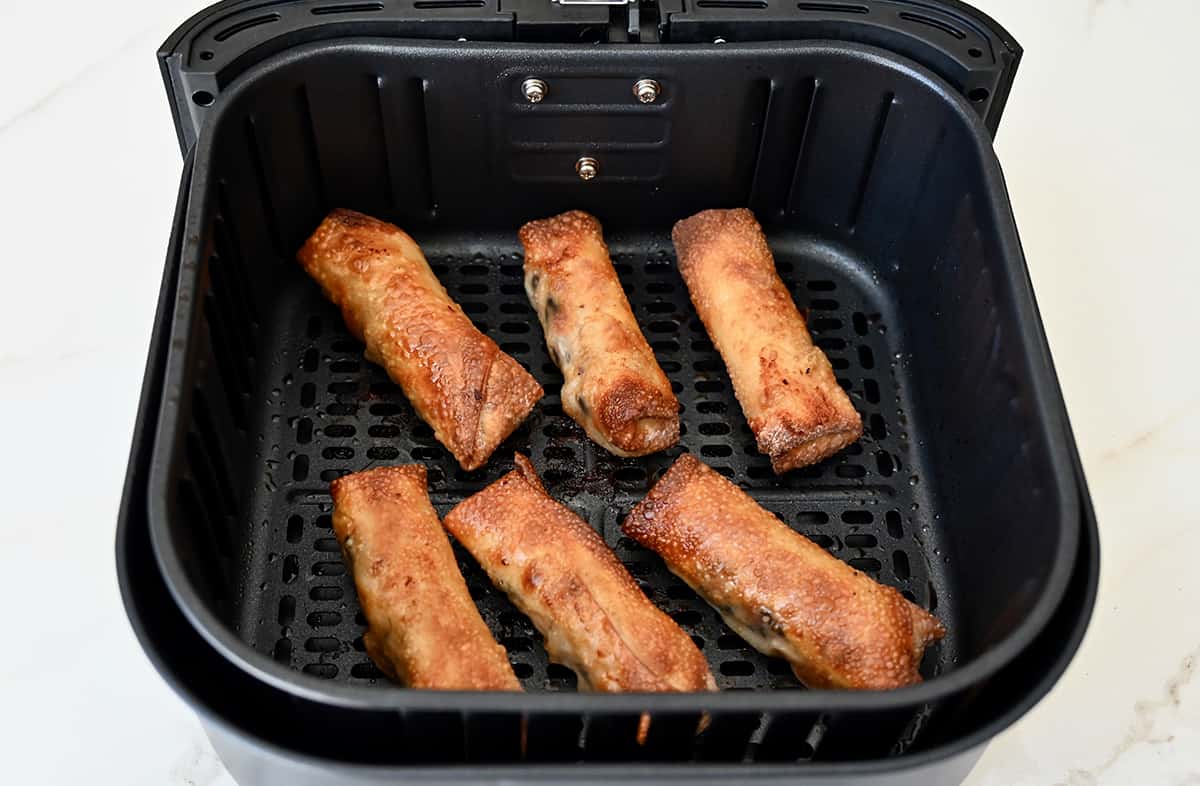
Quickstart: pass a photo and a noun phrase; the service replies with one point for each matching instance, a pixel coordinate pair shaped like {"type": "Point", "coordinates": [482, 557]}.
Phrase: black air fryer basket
{"type": "Point", "coordinates": [860, 134]}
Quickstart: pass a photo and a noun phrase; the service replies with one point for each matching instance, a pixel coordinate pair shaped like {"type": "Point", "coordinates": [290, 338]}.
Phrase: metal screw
{"type": "Point", "coordinates": [534, 90]}
{"type": "Point", "coordinates": [587, 167]}
{"type": "Point", "coordinates": [646, 90]}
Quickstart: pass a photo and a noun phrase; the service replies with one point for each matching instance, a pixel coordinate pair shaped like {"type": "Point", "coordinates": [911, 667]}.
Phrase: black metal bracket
{"type": "Point", "coordinates": [958, 43]}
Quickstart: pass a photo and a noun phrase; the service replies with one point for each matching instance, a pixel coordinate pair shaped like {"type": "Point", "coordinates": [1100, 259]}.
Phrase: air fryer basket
{"type": "Point", "coordinates": [886, 209]}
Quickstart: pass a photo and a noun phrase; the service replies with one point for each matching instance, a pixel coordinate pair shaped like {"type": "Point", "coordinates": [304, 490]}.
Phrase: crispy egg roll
{"type": "Point", "coordinates": [472, 394]}
{"type": "Point", "coordinates": [778, 590]}
{"type": "Point", "coordinates": [612, 385]}
{"type": "Point", "coordinates": [797, 410]}
{"type": "Point", "coordinates": [423, 628]}
{"type": "Point", "coordinates": [556, 569]}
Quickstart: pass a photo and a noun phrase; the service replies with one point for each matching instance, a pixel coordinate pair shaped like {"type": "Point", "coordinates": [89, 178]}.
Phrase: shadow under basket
{"type": "Point", "coordinates": [885, 207]}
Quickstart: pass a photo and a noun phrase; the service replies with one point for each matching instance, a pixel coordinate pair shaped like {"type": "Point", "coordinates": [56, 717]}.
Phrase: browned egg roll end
{"type": "Point", "coordinates": [782, 593]}
{"type": "Point", "coordinates": [458, 380]}
{"type": "Point", "coordinates": [424, 630]}
{"type": "Point", "coordinates": [786, 386]}
{"type": "Point", "coordinates": [612, 383]}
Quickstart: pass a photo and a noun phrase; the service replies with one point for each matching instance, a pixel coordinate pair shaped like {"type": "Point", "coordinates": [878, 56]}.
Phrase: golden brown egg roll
{"type": "Point", "coordinates": [556, 569]}
{"type": "Point", "coordinates": [472, 394]}
{"type": "Point", "coordinates": [424, 630]}
{"type": "Point", "coordinates": [778, 590]}
{"type": "Point", "coordinates": [612, 385]}
{"type": "Point", "coordinates": [797, 410]}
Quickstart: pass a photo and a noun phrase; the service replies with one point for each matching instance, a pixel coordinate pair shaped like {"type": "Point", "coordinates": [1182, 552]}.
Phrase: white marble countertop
{"type": "Point", "coordinates": [1101, 147]}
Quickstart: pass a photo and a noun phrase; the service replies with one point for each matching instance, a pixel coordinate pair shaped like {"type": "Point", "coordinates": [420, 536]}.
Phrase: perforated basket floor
{"type": "Point", "coordinates": [330, 412]}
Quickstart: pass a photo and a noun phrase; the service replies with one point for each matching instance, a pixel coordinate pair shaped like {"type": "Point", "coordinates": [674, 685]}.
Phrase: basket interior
{"type": "Point", "coordinates": [873, 190]}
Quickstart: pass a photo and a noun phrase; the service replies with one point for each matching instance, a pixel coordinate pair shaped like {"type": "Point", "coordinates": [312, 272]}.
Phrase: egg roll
{"type": "Point", "coordinates": [612, 385]}
{"type": "Point", "coordinates": [423, 628]}
{"type": "Point", "coordinates": [796, 409]}
{"type": "Point", "coordinates": [558, 571]}
{"type": "Point", "coordinates": [471, 393]}
{"type": "Point", "coordinates": [782, 593]}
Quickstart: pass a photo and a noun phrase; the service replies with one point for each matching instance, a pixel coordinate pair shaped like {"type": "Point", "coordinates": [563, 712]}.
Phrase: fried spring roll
{"type": "Point", "coordinates": [612, 385]}
{"type": "Point", "coordinates": [459, 382]}
{"type": "Point", "coordinates": [797, 410]}
{"type": "Point", "coordinates": [779, 591]}
{"type": "Point", "coordinates": [424, 630]}
{"type": "Point", "coordinates": [556, 569]}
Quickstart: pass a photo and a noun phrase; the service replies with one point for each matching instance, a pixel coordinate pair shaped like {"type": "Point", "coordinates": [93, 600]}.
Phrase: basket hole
{"type": "Point", "coordinates": [322, 644]}
{"type": "Point", "coordinates": [206, 55]}
{"type": "Point", "coordinates": [860, 323]}
{"type": "Point", "coordinates": [324, 619]}
{"type": "Point", "coordinates": [660, 307]}
{"type": "Point", "coordinates": [283, 651]}
{"type": "Point", "coordinates": [866, 564]}
{"type": "Point", "coordinates": [314, 327]}
{"type": "Point", "coordinates": [514, 327]}
{"type": "Point", "coordinates": [871, 390]}
{"type": "Point", "coordinates": [347, 345]}
{"type": "Point", "coordinates": [861, 541]}
{"type": "Point", "coordinates": [850, 471]}
{"type": "Point", "coordinates": [324, 521]}
{"type": "Point", "coordinates": [366, 671]}
{"type": "Point", "coordinates": [330, 475]}
{"type": "Point", "coordinates": [716, 451]}
{"type": "Point", "coordinates": [817, 517]}
{"type": "Point", "coordinates": [660, 287]}
{"type": "Point", "coordinates": [857, 517]}
{"type": "Point", "coordinates": [709, 386]}
{"type": "Point", "coordinates": [328, 569]}
{"type": "Point", "coordinates": [345, 366]}
{"type": "Point", "coordinates": [759, 471]}
{"type": "Point", "coordinates": [731, 642]}
{"type": "Point", "coordinates": [343, 388]}
{"type": "Point", "coordinates": [203, 98]}
{"type": "Point", "coordinates": [523, 670]}
{"type": "Point", "coordinates": [698, 641]}
{"type": "Point", "coordinates": [424, 454]}
{"type": "Point", "coordinates": [663, 326]}
{"type": "Point", "coordinates": [900, 565]}
{"type": "Point", "coordinates": [358, 644]}
{"type": "Point", "coordinates": [308, 394]}
{"type": "Point", "coordinates": [630, 475]}
{"type": "Point", "coordinates": [712, 407]}
{"type": "Point", "coordinates": [883, 462]}
{"type": "Point", "coordinates": [326, 545]}
{"type": "Point", "coordinates": [714, 429]}
{"type": "Point", "coordinates": [340, 430]}
{"type": "Point", "coordinates": [295, 529]}
{"type": "Point", "coordinates": [664, 346]}
{"type": "Point", "coordinates": [737, 668]}
{"type": "Point", "coordinates": [687, 617]}
{"type": "Point", "coordinates": [821, 285]}
{"type": "Point", "coordinates": [821, 539]}
{"type": "Point", "coordinates": [560, 453]}
{"type": "Point", "coordinates": [515, 347]}
{"type": "Point", "coordinates": [287, 610]}
{"type": "Point", "coordinates": [310, 359]}
{"type": "Point", "coordinates": [979, 94]}
{"type": "Point", "coordinates": [823, 304]}
{"type": "Point", "coordinates": [894, 526]}
{"type": "Point", "coordinates": [383, 432]}
{"type": "Point", "coordinates": [826, 323]}
{"type": "Point", "coordinates": [866, 358]}
{"type": "Point", "coordinates": [515, 308]}
{"type": "Point", "coordinates": [338, 453]}
{"type": "Point", "coordinates": [385, 409]}
{"type": "Point", "coordinates": [878, 427]}
{"type": "Point", "coordinates": [702, 345]}
{"type": "Point", "coordinates": [326, 593]}
{"type": "Point", "coordinates": [291, 568]}
{"type": "Point", "coordinates": [831, 343]}
{"type": "Point", "coordinates": [382, 453]}
{"type": "Point", "coordinates": [518, 644]}
{"type": "Point", "coordinates": [342, 410]}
